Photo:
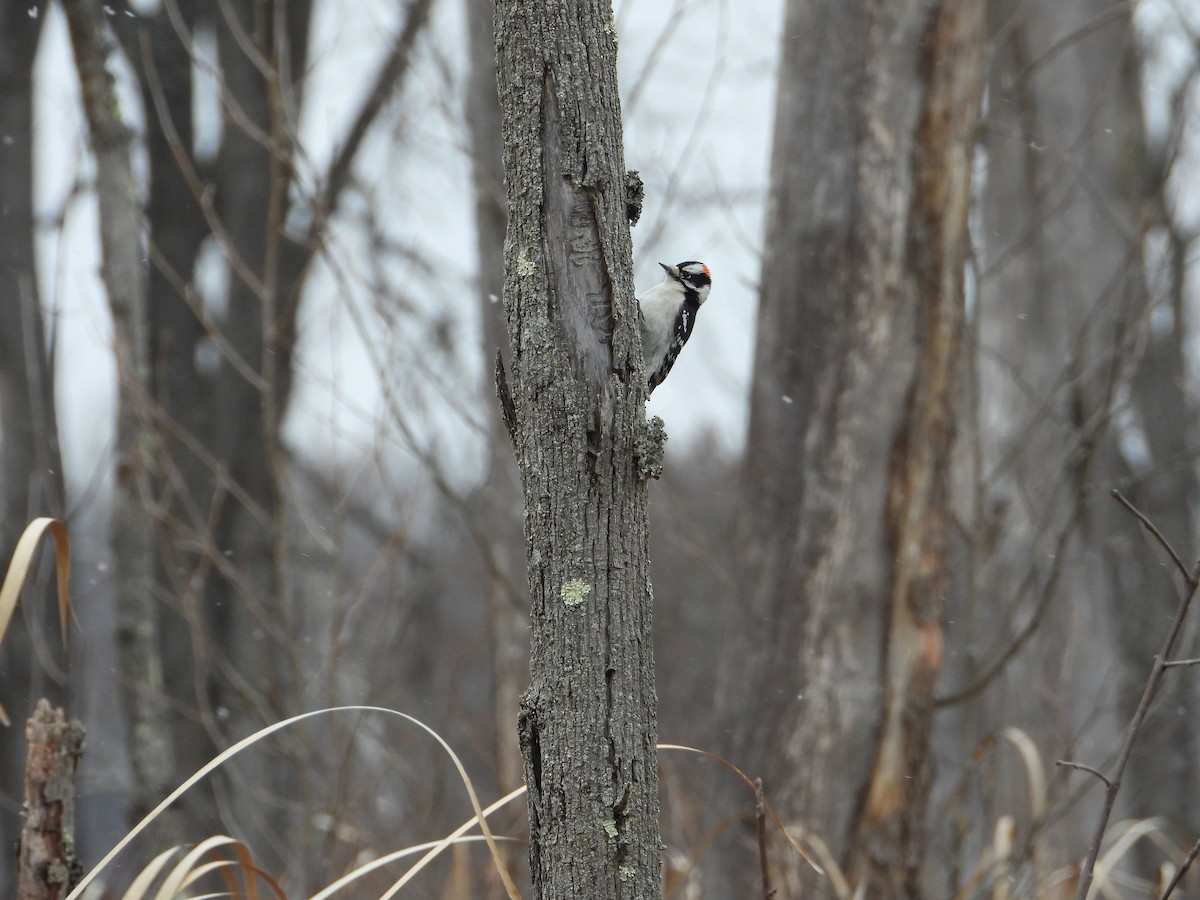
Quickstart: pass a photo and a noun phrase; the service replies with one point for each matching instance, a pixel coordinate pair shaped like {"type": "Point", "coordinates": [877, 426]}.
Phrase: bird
{"type": "Point", "coordinates": [668, 314]}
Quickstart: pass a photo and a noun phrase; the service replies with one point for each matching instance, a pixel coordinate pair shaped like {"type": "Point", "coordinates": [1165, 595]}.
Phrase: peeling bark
{"type": "Point", "coordinates": [891, 831]}
{"type": "Point", "coordinates": [841, 530]}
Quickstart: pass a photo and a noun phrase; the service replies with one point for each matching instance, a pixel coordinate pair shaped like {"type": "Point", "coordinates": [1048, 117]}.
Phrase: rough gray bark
{"type": "Point", "coordinates": [48, 865]}
{"type": "Point", "coordinates": [842, 524]}
{"type": "Point", "coordinates": [124, 275]}
{"type": "Point", "coordinates": [587, 724]}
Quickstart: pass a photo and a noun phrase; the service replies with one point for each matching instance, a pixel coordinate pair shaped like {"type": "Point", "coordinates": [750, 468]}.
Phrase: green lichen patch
{"type": "Point", "coordinates": [575, 591]}
{"type": "Point", "coordinates": [525, 265]}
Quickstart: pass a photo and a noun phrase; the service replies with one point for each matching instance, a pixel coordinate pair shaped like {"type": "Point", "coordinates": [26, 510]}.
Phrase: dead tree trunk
{"type": "Point", "coordinates": [46, 855]}
{"type": "Point", "coordinates": [587, 724]}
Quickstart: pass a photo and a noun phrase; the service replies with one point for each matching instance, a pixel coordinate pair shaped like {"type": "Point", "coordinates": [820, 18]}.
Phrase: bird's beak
{"type": "Point", "coordinates": [673, 271]}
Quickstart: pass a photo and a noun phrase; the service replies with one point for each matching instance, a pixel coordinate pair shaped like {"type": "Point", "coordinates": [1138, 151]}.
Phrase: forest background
{"type": "Point", "coordinates": [954, 309]}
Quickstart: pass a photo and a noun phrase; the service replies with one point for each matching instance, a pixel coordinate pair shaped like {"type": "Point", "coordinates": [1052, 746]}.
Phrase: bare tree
{"type": "Point", "coordinates": [1069, 372]}
{"type": "Point", "coordinates": [842, 529]}
{"type": "Point", "coordinates": [30, 464]}
{"type": "Point", "coordinates": [124, 276]}
{"type": "Point", "coordinates": [587, 722]}
{"type": "Point", "coordinates": [210, 390]}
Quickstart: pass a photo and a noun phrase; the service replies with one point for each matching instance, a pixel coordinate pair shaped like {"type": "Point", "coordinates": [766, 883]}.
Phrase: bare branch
{"type": "Point", "coordinates": [200, 190]}
{"type": "Point", "coordinates": [1158, 536]}
{"type": "Point", "coordinates": [1066, 763]}
{"type": "Point", "coordinates": [1143, 707]}
{"type": "Point", "coordinates": [390, 75]}
{"type": "Point", "coordinates": [1187, 864]}
{"type": "Point", "coordinates": [760, 816]}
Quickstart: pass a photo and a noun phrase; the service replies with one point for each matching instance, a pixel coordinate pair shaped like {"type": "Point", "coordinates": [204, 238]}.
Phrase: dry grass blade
{"type": "Point", "coordinates": [18, 570]}
{"type": "Point", "coordinates": [1003, 841]}
{"type": "Point", "coordinates": [434, 848]}
{"type": "Point", "coordinates": [192, 868]}
{"type": "Point", "coordinates": [188, 877]}
{"type": "Point", "coordinates": [1035, 769]}
{"type": "Point", "coordinates": [1129, 834]}
{"type": "Point", "coordinates": [189, 870]}
{"type": "Point", "coordinates": [501, 870]}
{"type": "Point", "coordinates": [251, 873]}
{"type": "Point", "coordinates": [141, 884]}
{"type": "Point", "coordinates": [241, 745]}
{"type": "Point", "coordinates": [440, 846]}
{"type": "Point", "coordinates": [833, 873]}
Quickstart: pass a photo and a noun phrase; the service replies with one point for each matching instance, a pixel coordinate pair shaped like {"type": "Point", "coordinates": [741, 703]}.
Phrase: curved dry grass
{"type": "Point", "coordinates": [18, 571]}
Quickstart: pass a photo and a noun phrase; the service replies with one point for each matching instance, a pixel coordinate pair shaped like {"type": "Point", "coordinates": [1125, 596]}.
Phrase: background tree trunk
{"type": "Point", "coordinates": [498, 499]}
{"type": "Point", "coordinates": [587, 723]}
{"type": "Point", "coordinates": [1068, 368]}
{"type": "Point", "coordinates": [124, 274]}
{"type": "Point", "coordinates": [31, 482]}
{"type": "Point", "coordinates": [183, 376]}
{"type": "Point", "coordinates": [842, 528]}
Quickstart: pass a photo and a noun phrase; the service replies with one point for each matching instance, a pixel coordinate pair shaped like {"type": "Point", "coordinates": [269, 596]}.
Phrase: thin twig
{"type": "Point", "coordinates": [1081, 767]}
{"type": "Point", "coordinates": [1187, 864]}
{"type": "Point", "coordinates": [187, 169]}
{"type": "Point", "coordinates": [760, 815]}
{"type": "Point", "coordinates": [1172, 663]}
{"type": "Point", "coordinates": [1153, 529]}
{"type": "Point", "coordinates": [1087, 871]}
{"type": "Point", "coordinates": [1017, 643]}
{"type": "Point", "coordinates": [387, 80]}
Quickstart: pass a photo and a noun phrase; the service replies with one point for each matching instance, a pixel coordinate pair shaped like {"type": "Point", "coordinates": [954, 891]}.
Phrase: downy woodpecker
{"type": "Point", "coordinates": [668, 315]}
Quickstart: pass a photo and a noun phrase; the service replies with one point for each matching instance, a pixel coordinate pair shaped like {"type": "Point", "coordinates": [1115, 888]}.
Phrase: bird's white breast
{"type": "Point", "coordinates": [659, 307]}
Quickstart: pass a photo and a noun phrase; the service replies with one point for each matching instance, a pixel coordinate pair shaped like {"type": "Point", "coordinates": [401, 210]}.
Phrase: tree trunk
{"type": "Point", "coordinates": [30, 465]}
{"type": "Point", "coordinates": [846, 487]}
{"type": "Point", "coordinates": [124, 276]}
{"type": "Point", "coordinates": [587, 723]}
{"type": "Point", "coordinates": [182, 383]}
{"type": "Point", "coordinates": [891, 832]}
